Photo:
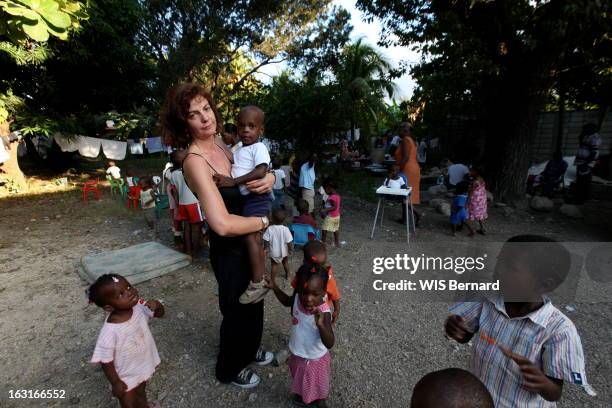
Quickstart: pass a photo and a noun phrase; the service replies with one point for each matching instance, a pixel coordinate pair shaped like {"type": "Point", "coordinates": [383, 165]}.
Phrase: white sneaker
{"type": "Point", "coordinates": [246, 379]}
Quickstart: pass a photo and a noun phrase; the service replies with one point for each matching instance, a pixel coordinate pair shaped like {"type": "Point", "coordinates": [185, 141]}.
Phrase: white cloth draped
{"type": "Point", "coordinates": [114, 149]}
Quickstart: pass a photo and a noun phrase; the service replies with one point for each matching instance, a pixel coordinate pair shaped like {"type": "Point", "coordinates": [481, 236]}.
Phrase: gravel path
{"type": "Point", "coordinates": [47, 329]}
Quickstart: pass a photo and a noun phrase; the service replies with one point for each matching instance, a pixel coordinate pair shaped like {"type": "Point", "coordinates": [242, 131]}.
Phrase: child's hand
{"type": "Point", "coordinates": [534, 379]}
{"type": "Point", "coordinates": [223, 181]}
{"type": "Point", "coordinates": [156, 307]}
{"type": "Point", "coordinates": [152, 304]}
{"type": "Point", "coordinates": [319, 318]}
{"type": "Point", "coordinates": [119, 388]}
{"type": "Point", "coordinates": [269, 282]}
{"type": "Point", "coordinates": [456, 329]}
{"type": "Point", "coordinates": [335, 315]}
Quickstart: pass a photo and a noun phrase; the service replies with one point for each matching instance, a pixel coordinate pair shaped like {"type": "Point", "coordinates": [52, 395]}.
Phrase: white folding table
{"type": "Point", "coordinates": [383, 191]}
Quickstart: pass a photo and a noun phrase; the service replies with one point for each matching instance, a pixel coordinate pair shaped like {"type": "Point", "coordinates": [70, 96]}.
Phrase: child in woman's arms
{"type": "Point", "coordinates": [125, 347]}
{"type": "Point", "coordinates": [251, 162]}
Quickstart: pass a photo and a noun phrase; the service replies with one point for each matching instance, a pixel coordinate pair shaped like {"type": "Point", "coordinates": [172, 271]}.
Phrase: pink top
{"type": "Point", "coordinates": [130, 346]}
{"type": "Point", "coordinates": [336, 199]}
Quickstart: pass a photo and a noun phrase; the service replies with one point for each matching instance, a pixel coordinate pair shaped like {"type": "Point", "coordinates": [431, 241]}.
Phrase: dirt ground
{"type": "Point", "coordinates": [48, 331]}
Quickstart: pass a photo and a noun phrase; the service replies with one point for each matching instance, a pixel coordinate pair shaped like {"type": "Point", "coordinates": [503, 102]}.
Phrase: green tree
{"type": "Point", "coordinates": [25, 27]}
{"type": "Point", "coordinates": [186, 36]}
{"type": "Point", "coordinates": [363, 81]}
{"type": "Point", "coordinates": [496, 60]}
{"type": "Point", "coordinates": [301, 111]}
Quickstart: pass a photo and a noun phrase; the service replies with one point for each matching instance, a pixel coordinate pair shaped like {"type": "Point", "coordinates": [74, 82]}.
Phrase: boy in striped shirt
{"type": "Point", "coordinates": [524, 348]}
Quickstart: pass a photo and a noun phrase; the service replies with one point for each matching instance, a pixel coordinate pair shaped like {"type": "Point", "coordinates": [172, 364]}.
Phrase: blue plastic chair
{"type": "Point", "coordinates": [300, 233]}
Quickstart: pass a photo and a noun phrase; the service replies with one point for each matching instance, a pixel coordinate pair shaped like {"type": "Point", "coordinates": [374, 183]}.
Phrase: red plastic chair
{"type": "Point", "coordinates": [133, 197]}
{"type": "Point", "coordinates": [91, 187]}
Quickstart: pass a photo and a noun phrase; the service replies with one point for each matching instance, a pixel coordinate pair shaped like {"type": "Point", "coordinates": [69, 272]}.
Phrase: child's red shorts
{"type": "Point", "coordinates": [192, 213]}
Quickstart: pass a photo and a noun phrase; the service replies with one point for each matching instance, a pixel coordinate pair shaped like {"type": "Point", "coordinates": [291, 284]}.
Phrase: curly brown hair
{"type": "Point", "coordinates": [173, 116]}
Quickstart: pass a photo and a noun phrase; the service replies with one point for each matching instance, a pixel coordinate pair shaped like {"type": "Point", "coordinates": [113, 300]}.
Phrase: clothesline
{"type": "Point", "coordinates": [113, 149]}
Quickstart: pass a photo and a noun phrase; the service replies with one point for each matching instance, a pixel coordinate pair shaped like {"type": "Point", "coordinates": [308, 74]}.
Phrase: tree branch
{"type": "Point", "coordinates": [251, 72]}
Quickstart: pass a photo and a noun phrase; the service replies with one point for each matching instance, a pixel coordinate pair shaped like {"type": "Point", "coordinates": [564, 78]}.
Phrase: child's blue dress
{"type": "Point", "coordinates": [458, 211]}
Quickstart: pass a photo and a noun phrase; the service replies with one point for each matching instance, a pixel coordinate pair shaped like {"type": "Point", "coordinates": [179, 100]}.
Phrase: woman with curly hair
{"type": "Point", "coordinates": [190, 120]}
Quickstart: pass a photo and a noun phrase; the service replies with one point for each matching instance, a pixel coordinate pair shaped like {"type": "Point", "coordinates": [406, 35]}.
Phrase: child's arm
{"type": "Point", "coordinates": [257, 173]}
{"type": "Point", "coordinates": [534, 379]}
{"type": "Point", "coordinates": [332, 208]}
{"type": "Point", "coordinates": [324, 323]}
{"type": "Point", "coordinates": [282, 297]}
{"type": "Point", "coordinates": [118, 386]}
{"type": "Point", "coordinates": [336, 312]}
{"type": "Point", "coordinates": [290, 246]}
{"type": "Point", "coordinates": [156, 307]}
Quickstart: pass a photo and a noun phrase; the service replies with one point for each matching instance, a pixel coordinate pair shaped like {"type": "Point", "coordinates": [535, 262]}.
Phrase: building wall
{"type": "Point", "coordinates": [544, 142]}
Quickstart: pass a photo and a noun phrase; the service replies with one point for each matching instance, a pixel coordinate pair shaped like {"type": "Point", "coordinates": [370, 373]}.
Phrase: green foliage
{"type": "Point", "coordinates": [9, 105]}
{"type": "Point", "coordinates": [363, 82]}
{"type": "Point", "coordinates": [186, 36]}
{"type": "Point", "coordinates": [129, 125]}
{"type": "Point", "coordinates": [24, 20]}
{"type": "Point", "coordinates": [300, 111]}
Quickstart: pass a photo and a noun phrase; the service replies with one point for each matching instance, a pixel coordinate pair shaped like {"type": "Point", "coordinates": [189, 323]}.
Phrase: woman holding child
{"type": "Point", "coordinates": [190, 120]}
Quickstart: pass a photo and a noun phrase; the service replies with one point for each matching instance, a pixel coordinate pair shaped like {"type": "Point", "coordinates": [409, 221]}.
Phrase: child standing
{"type": "Point", "coordinates": [189, 209]}
{"type": "Point", "coordinates": [525, 348]}
{"type": "Point", "coordinates": [147, 202]}
{"type": "Point", "coordinates": [315, 252]}
{"type": "Point", "coordinates": [251, 163]}
{"type": "Point", "coordinates": [477, 201]}
{"type": "Point", "coordinates": [331, 212]}
{"type": "Point", "coordinates": [173, 204]}
{"type": "Point", "coordinates": [279, 242]}
{"type": "Point", "coordinates": [312, 335]}
{"type": "Point", "coordinates": [459, 211]}
{"type": "Point", "coordinates": [125, 347]}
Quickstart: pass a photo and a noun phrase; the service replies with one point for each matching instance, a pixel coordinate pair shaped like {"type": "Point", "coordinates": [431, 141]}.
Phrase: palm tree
{"type": "Point", "coordinates": [363, 83]}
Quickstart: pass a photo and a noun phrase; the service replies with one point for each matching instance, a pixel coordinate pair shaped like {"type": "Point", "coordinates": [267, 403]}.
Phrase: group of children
{"type": "Point", "coordinates": [523, 347]}
{"type": "Point", "coordinates": [126, 350]}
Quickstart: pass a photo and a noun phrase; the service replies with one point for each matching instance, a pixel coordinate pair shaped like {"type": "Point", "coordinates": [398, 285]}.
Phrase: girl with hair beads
{"type": "Point", "coordinates": [311, 335]}
{"type": "Point", "coordinates": [125, 347]}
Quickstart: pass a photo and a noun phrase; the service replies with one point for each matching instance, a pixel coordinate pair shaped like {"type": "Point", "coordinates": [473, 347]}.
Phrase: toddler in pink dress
{"type": "Point", "coordinates": [125, 347]}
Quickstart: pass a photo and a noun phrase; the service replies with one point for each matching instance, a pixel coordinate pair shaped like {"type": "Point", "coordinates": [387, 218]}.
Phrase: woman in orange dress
{"type": "Point", "coordinates": [406, 157]}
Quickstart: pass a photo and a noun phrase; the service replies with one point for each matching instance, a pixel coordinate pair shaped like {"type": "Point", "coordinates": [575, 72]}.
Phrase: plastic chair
{"type": "Point", "coordinates": [116, 184]}
{"type": "Point", "coordinates": [301, 233]}
{"type": "Point", "coordinates": [133, 197]}
{"type": "Point", "coordinates": [161, 203]}
{"type": "Point", "coordinates": [91, 187]}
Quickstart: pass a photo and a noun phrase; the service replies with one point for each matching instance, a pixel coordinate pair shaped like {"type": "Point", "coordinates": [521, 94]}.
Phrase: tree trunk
{"type": "Point", "coordinates": [10, 168]}
{"type": "Point", "coordinates": [510, 133]}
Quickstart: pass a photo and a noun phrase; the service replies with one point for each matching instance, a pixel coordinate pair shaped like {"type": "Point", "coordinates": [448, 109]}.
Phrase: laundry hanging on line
{"type": "Point", "coordinates": [114, 149]}
{"type": "Point", "coordinates": [154, 144]}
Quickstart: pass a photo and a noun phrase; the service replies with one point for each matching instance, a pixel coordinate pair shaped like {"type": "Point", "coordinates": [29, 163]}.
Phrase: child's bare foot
{"type": "Point", "coordinates": [481, 232]}
{"type": "Point", "coordinates": [254, 293]}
